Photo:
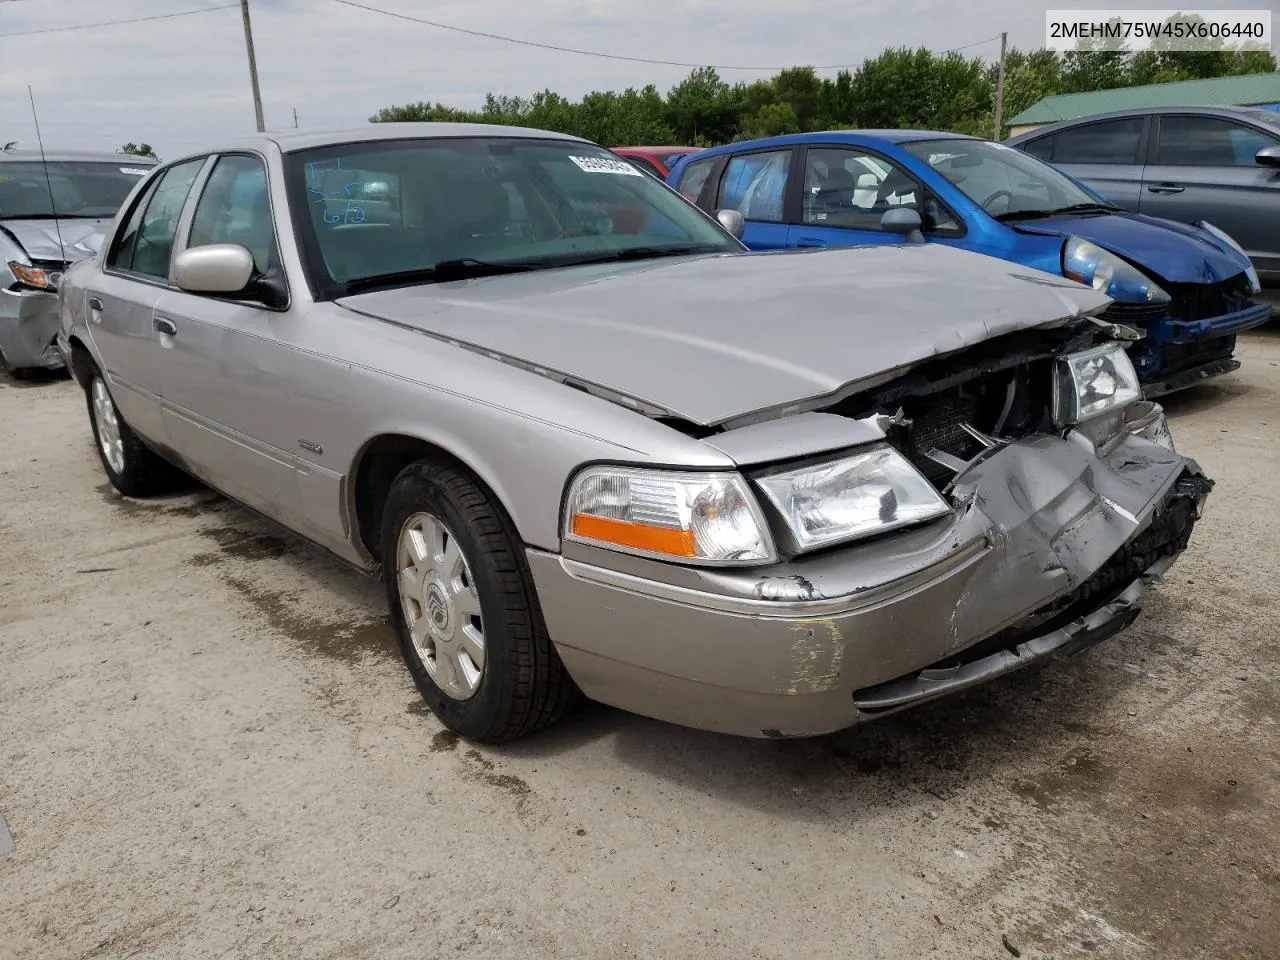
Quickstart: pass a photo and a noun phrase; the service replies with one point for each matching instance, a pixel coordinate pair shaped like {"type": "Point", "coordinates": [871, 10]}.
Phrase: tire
{"type": "Point", "coordinates": [132, 468]}
{"type": "Point", "coordinates": [448, 549]}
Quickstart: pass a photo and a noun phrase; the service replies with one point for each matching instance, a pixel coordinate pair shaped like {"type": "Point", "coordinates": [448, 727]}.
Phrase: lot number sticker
{"type": "Point", "coordinates": [605, 165]}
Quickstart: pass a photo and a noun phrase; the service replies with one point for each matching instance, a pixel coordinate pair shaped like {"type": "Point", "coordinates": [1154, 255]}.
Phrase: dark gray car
{"type": "Point", "coordinates": [1220, 164]}
{"type": "Point", "coordinates": [54, 209]}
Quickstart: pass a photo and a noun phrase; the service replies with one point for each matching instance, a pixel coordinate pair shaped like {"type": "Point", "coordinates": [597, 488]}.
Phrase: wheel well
{"type": "Point", "coordinates": [379, 465]}
{"type": "Point", "coordinates": [81, 361]}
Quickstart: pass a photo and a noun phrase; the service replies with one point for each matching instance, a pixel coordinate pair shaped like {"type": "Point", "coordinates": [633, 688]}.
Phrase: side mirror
{"type": "Point", "coordinates": [905, 221]}
{"type": "Point", "coordinates": [732, 221]}
{"type": "Point", "coordinates": [216, 268]}
{"type": "Point", "coordinates": [1268, 157]}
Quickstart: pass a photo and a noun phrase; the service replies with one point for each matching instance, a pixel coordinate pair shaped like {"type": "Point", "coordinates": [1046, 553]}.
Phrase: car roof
{"type": "Point", "coordinates": [74, 156]}
{"type": "Point", "coordinates": [865, 137]}
{"type": "Point", "coordinates": [1241, 112]}
{"type": "Point", "coordinates": [655, 151]}
{"type": "Point", "coordinates": [294, 140]}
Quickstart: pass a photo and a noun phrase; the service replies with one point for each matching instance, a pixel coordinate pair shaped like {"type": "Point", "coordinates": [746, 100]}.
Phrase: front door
{"type": "Point", "coordinates": [846, 192]}
{"type": "Point", "coordinates": [233, 382]}
{"type": "Point", "coordinates": [1203, 168]}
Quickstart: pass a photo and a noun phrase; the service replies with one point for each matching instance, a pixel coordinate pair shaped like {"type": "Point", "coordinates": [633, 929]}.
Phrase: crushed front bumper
{"type": "Point", "coordinates": [28, 330]}
{"type": "Point", "coordinates": [1050, 547]}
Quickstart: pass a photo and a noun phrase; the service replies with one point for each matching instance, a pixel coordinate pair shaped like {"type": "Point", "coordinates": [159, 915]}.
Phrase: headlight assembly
{"type": "Point", "coordinates": [1089, 264]}
{"type": "Point", "coordinates": [702, 518]}
{"type": "Point", "coordinates": [1093, 382]}
{"type": "Point", "coordinates": [857, 496]}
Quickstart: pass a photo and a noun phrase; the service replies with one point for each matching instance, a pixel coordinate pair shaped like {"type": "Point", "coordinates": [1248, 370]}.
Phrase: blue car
{"type": "Point", "coordinates": [1187, 289]}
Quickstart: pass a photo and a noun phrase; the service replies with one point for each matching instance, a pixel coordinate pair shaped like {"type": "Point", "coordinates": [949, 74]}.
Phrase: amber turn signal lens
{"type": "Point", "coordinates": [635, 536]}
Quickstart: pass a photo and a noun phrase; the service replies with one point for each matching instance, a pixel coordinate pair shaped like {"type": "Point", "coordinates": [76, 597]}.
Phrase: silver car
{"type": "Point", "coordinates": [597, 447]}
{"type": "Point", "coordinates": [54, 208]}
{"type": "Point", "coordinates": [1188, 164]}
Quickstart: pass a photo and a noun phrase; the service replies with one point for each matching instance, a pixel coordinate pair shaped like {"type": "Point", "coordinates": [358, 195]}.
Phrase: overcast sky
{"type": "Point", "coordinates": [182, 83]}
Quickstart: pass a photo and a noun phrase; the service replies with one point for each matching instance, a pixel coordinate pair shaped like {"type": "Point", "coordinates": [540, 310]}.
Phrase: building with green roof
{"type": "Point", "coordinates": [1252, 90]}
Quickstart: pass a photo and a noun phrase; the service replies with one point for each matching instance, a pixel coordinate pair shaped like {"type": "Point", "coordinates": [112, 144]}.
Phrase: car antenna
{"type": "Point", "coordinates": [53, 208]}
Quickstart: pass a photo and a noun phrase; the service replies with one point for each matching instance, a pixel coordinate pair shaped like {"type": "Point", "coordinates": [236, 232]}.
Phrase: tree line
{"type": "Point", "coordinates": [900, 88]}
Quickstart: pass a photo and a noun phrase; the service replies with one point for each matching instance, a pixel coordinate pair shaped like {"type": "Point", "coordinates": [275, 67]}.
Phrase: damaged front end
{"type": "Point", "coordinates": [1061, 499]}
{"type": "Point", "coordinates": [1100, 502]}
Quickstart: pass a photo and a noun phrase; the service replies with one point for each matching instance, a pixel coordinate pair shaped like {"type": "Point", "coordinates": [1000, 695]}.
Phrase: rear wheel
{"type": "Point", "coordinates": [131, 466]}
{"type": "Point", "coordinates": [465, 609]}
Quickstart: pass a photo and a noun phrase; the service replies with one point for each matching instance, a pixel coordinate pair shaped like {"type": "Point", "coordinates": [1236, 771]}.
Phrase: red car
{"type": "Point", "coordinates": [655, 160]}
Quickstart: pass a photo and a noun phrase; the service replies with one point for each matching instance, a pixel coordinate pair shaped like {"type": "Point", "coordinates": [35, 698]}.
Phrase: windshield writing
{"type": "Point", "coordinates": [398, 209]}
{"type": "Point", "coordinates": [89, 189]}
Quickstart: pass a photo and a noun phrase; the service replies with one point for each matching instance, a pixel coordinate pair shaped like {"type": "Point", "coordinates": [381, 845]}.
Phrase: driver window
{"type": "Point", "coordinates": [235, 208]}
{"type": "Point", "coordinates": [854, 189]}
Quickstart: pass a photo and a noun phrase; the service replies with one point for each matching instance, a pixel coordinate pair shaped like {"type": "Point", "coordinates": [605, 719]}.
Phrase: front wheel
{"type": "Point", "coordinates": [465, 609]}
{"type": "Point", "coordinates": [131, 466]}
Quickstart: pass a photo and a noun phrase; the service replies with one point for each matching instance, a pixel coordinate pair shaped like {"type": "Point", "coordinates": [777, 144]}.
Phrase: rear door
{"type": "Point", "coordinates": [121, 300]}
{"type": "Point", "coordinates": [755, 184]}
{"type": "Point", "coordinates": [1202, 168]}
{"type": "Point", "coordinates": [847, 190]}
{"type": "Point", "coordinates": [1105, 154]}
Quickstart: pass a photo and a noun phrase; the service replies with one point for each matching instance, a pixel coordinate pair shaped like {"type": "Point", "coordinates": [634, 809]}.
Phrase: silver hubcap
{"type": "Point", "coordinates": [104, 415]}
{"type": "Point", "coordinates": [440, 605]}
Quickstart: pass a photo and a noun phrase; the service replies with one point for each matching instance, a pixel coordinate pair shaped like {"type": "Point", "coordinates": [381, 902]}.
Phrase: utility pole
{"type": "Point", "coordinates": [295, 118]}
{"type": "Point", "coordinates": [1004, 38]}
{"type": "Point", "coordinates": [253, 64]}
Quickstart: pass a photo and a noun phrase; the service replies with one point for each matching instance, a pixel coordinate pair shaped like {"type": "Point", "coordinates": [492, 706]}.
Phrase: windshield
{"type": "Point", "coordinates": [1005, 182]}
{"type": "Point", "coordinates": [411, 211]}
{"type": "Point", "coordinates": [79, 189]}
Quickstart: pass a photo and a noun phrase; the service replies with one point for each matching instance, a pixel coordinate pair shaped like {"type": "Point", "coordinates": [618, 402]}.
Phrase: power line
{"type": "Point", "coordinates": [595, 53]}
{"type": "Point", "coordinates": [114, 23]}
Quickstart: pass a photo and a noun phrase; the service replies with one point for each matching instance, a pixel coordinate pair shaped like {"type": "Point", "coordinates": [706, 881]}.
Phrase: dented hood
{"type": "Point", "coordinates": [67, 239]}
{"type": "Point", "coordinates": [711, 339]}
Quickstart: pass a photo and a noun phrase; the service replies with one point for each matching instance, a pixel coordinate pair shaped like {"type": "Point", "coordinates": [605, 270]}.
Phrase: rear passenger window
{"type": "Point", "coordinates": [754, 184]}
{"type": "Point", "coordinates": [693, 178]}
{"type": "Point", "coordinates": [146, 246]}
{"type": "Point", "coordinates": [1208, 142]}
{"type": "Point", "coordinates": [1111, 141]}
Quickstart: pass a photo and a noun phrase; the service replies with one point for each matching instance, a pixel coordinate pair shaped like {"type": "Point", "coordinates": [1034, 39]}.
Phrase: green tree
{"type": "Point", "coordinates": [139, 150]}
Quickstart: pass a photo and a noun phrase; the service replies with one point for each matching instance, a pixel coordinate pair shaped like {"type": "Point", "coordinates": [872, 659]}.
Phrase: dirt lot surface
{"type": "Point", "coordinates": [209, 748]}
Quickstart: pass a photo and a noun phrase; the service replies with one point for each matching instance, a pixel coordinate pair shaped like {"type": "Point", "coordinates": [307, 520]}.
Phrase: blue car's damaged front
{"type": "Point", "coordinates": [1187, 289]}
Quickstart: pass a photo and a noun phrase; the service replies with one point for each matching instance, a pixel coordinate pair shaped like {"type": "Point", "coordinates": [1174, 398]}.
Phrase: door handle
{"type": "Point", "coordinates": [810, 242]}
{"type": "Point", "coordinates": [1165, 188]}
{"type": "Point", "coordinates": [95, 304]}
{"type": "Point", "coordinates": [166, 326]}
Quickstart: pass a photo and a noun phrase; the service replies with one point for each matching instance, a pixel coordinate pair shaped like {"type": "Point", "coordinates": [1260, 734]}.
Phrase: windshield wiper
{"type": "Point", "coordinates": [1090, 207]}
{"type": "Point", "coordinates": [637, 253]}
{"type": "Point", "coordinates": [463, 268]}
{"type": "Point", "coordinates": [1024, 215]}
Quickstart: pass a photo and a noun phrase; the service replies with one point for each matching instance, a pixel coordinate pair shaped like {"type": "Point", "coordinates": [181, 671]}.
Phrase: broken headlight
{"type": "Point", "coordinates": [1094, 382]}
{"type": "Point", "coordinates": [857, 496]}
{"type": "Point", "coordinates": [1089, 264]}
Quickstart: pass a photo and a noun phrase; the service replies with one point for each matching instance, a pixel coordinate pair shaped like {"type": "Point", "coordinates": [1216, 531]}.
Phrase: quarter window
{"type": "Point", "coordinates": [754, 184]}
{"type": "Point", "coordinates": [147, 244]}
{"type": "Point", "coordinates": [235, 208]}
{"type": "Point", "coordinates": [1208, 142]}
{"type": "Point", "coordinates": [1110, 141]}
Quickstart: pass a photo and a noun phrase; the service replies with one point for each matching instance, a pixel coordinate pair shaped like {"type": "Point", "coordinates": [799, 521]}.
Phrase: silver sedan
{"type": "Point", "coordinates": [597, 447]}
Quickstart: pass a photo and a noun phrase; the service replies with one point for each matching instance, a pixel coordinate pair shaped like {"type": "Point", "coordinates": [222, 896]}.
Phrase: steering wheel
{"type": "Point", "coordinates": [999, 193]}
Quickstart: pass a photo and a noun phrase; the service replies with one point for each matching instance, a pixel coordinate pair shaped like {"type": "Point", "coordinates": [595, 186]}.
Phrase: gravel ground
{"type": "Point", "coordinates": [209, 748]}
